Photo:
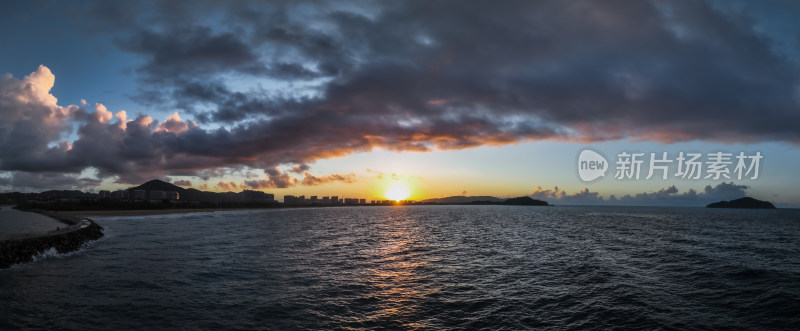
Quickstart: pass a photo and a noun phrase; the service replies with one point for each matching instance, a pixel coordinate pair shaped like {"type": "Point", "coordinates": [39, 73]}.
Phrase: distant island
{"type": "Point", "coordinates": [525, 201]}
{"type": "Point", "coordinates": [460, 199]}
{"type": "Point", "coordinates": [487, 200]}
{"type": "Point", "coordinates": [745, 202]}
{"type": "Point", "coordinates": [519, 201]}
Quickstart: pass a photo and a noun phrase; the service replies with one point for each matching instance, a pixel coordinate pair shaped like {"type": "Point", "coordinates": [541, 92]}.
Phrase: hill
{"type": "Point", "coordinates": [190, 194]}
{"type": "Point", "coordinates": [159, 185]}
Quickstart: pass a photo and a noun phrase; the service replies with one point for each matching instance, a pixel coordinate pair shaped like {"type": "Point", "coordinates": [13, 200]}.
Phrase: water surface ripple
{"type": "Point", "coordinates": [493, 267]}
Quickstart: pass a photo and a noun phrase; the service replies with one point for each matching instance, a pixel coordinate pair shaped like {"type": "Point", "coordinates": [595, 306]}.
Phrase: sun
{"type": "Point", "coordinates": [397, 192]}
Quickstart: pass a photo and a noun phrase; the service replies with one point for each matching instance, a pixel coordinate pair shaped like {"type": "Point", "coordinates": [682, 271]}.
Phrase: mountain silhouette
{"type": "Point", "coordinates": [159, 185]}
{"type": "Point", "coordinates": [190, 194]}
{"type": "Point", "coordinates": [487, 200]}
{"type": "Point", "coordinates": [462, 199]}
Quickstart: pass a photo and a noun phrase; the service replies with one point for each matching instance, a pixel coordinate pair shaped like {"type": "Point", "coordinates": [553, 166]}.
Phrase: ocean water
{"type": "Point", "coordinates": [15, 222]}
{"type": "Point", "coordinates": [440, 267]}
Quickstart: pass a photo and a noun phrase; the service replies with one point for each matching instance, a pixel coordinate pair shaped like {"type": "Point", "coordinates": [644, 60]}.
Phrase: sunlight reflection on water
{"type": "Point", "coordinates": [406, 267]}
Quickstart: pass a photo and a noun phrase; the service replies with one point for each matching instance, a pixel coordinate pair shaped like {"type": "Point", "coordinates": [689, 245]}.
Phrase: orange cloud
{"type": "Point", "coordinates": [311, 180]}
{"type": "Point", "coordinates": [175, 125]}
{"type": "Point", "coordinates": [102, 113]}
{"type": "Point", "coordinates": [439, 101]}
{"type": "Point", "coordinates": [227, 186]}
{"type": "Point", "coordinates": [183, 182]}
{"type": "Point", "coordinates": [122, 116]}
{"type": "Point", "coordinates": [274, 178]}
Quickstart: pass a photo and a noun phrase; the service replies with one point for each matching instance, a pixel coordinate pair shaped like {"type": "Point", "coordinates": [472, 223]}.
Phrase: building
{"type": "Point", "coordinates": [362, 201]}
{"type": "Point", "coordinates": [103, 194]}
{"type": "Point", "coordinates": [120, 195]}
{"type": "Point", "coordinates": [139, 195]}
{"type": "Point", "coordinates": [116, 195]}
{"type": "Point", "coordinates": [158, 195]}
{"type": "Point", "coordinates": [257, 196]}
{"type": "Point", "coordinates": [173, 196]}
{"type": "Point", "coordinates": [326, 200]}
{"type": "Point", "coordinates": [313, 199]}
{"type": "Point", "coordinates": [335, 200]}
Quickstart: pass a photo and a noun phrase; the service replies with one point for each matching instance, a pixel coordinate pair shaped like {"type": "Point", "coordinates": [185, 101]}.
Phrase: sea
{"type": "Point", "coordinates": [421, 267]}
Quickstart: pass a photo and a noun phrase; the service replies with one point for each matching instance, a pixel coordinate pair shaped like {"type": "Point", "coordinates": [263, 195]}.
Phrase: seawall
{"type": "Point", "coordinates": [23, 248]}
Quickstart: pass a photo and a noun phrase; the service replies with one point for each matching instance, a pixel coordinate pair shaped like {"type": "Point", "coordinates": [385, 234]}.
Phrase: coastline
{"type": "Point", "coordinates": [145, 212]}
{"type": "Point", "coordinates": [22, 248]}
{"type": "Point", "coordinates": [148, 212]}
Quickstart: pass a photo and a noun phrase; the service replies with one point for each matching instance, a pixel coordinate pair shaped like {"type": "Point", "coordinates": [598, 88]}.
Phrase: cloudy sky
{"type": "Point", "coordinates": [444, 98]}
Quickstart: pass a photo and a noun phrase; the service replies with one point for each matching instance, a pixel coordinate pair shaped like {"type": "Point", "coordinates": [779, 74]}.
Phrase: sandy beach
{"type": "Point", "coordinates": [143, 212]}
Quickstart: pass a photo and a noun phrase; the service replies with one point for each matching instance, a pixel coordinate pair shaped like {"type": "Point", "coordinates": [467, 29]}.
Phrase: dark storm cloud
{"type": "Point", "coordinates": [293, 82]}
{"type": "Point", "coordinates": [274, 178]}
{"type": "Point", "coordinates": [191, 51]}
{"type": "Point", "coordinates": [300, 168]}
{"type": "Point", "coordinates": [521, 70]}
{"type": "Point", "coordinates": [51, 181]}
{"type": "Point", "coordinates": [183, 182]}
{"type": "Point", "coordinates": [311, 180]}
{"type": "Point", "coordinates": [229, 106]}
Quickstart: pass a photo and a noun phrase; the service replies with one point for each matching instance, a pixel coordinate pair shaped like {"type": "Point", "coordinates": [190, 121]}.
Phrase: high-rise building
{"type": "Point", "coordinates": [158, 195]}
{"type": "Point", "coordinates": [116, 195]}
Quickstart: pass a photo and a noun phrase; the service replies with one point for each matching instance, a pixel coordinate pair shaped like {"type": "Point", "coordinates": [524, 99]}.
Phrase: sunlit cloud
{"type": "Point", "coordinates": [174, 124]}
{"type": "Point", "coordinates": [183, 183]}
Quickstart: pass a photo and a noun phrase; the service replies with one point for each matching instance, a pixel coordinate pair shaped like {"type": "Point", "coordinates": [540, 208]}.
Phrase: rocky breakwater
{"type": "Point", "coordinates": [24, 248]}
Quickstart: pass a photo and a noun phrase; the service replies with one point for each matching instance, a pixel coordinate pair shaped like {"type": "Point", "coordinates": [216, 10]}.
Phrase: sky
{"type": "Point", "coordinates": [439, 98]}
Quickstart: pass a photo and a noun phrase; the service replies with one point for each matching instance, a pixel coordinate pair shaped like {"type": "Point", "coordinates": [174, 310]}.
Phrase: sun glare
{"type": "Point", "coordinates": [397, 192]}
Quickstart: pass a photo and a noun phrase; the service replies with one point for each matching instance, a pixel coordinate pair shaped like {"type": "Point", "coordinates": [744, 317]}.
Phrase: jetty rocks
{"type": "Point", "coordinates": [71, 238]}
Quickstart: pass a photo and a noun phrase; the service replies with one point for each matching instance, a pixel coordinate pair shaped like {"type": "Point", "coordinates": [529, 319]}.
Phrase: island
{"type": "Point", "coordinates": [519, 201]}
{"type": "Point", "coordinates": [745, 202]}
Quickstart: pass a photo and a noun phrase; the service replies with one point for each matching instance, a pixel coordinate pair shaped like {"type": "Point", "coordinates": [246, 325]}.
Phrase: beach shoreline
{"type": "Point", "coordinates": [145, 212]}
{"type": "Point", "coordinates": [25, 247]}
